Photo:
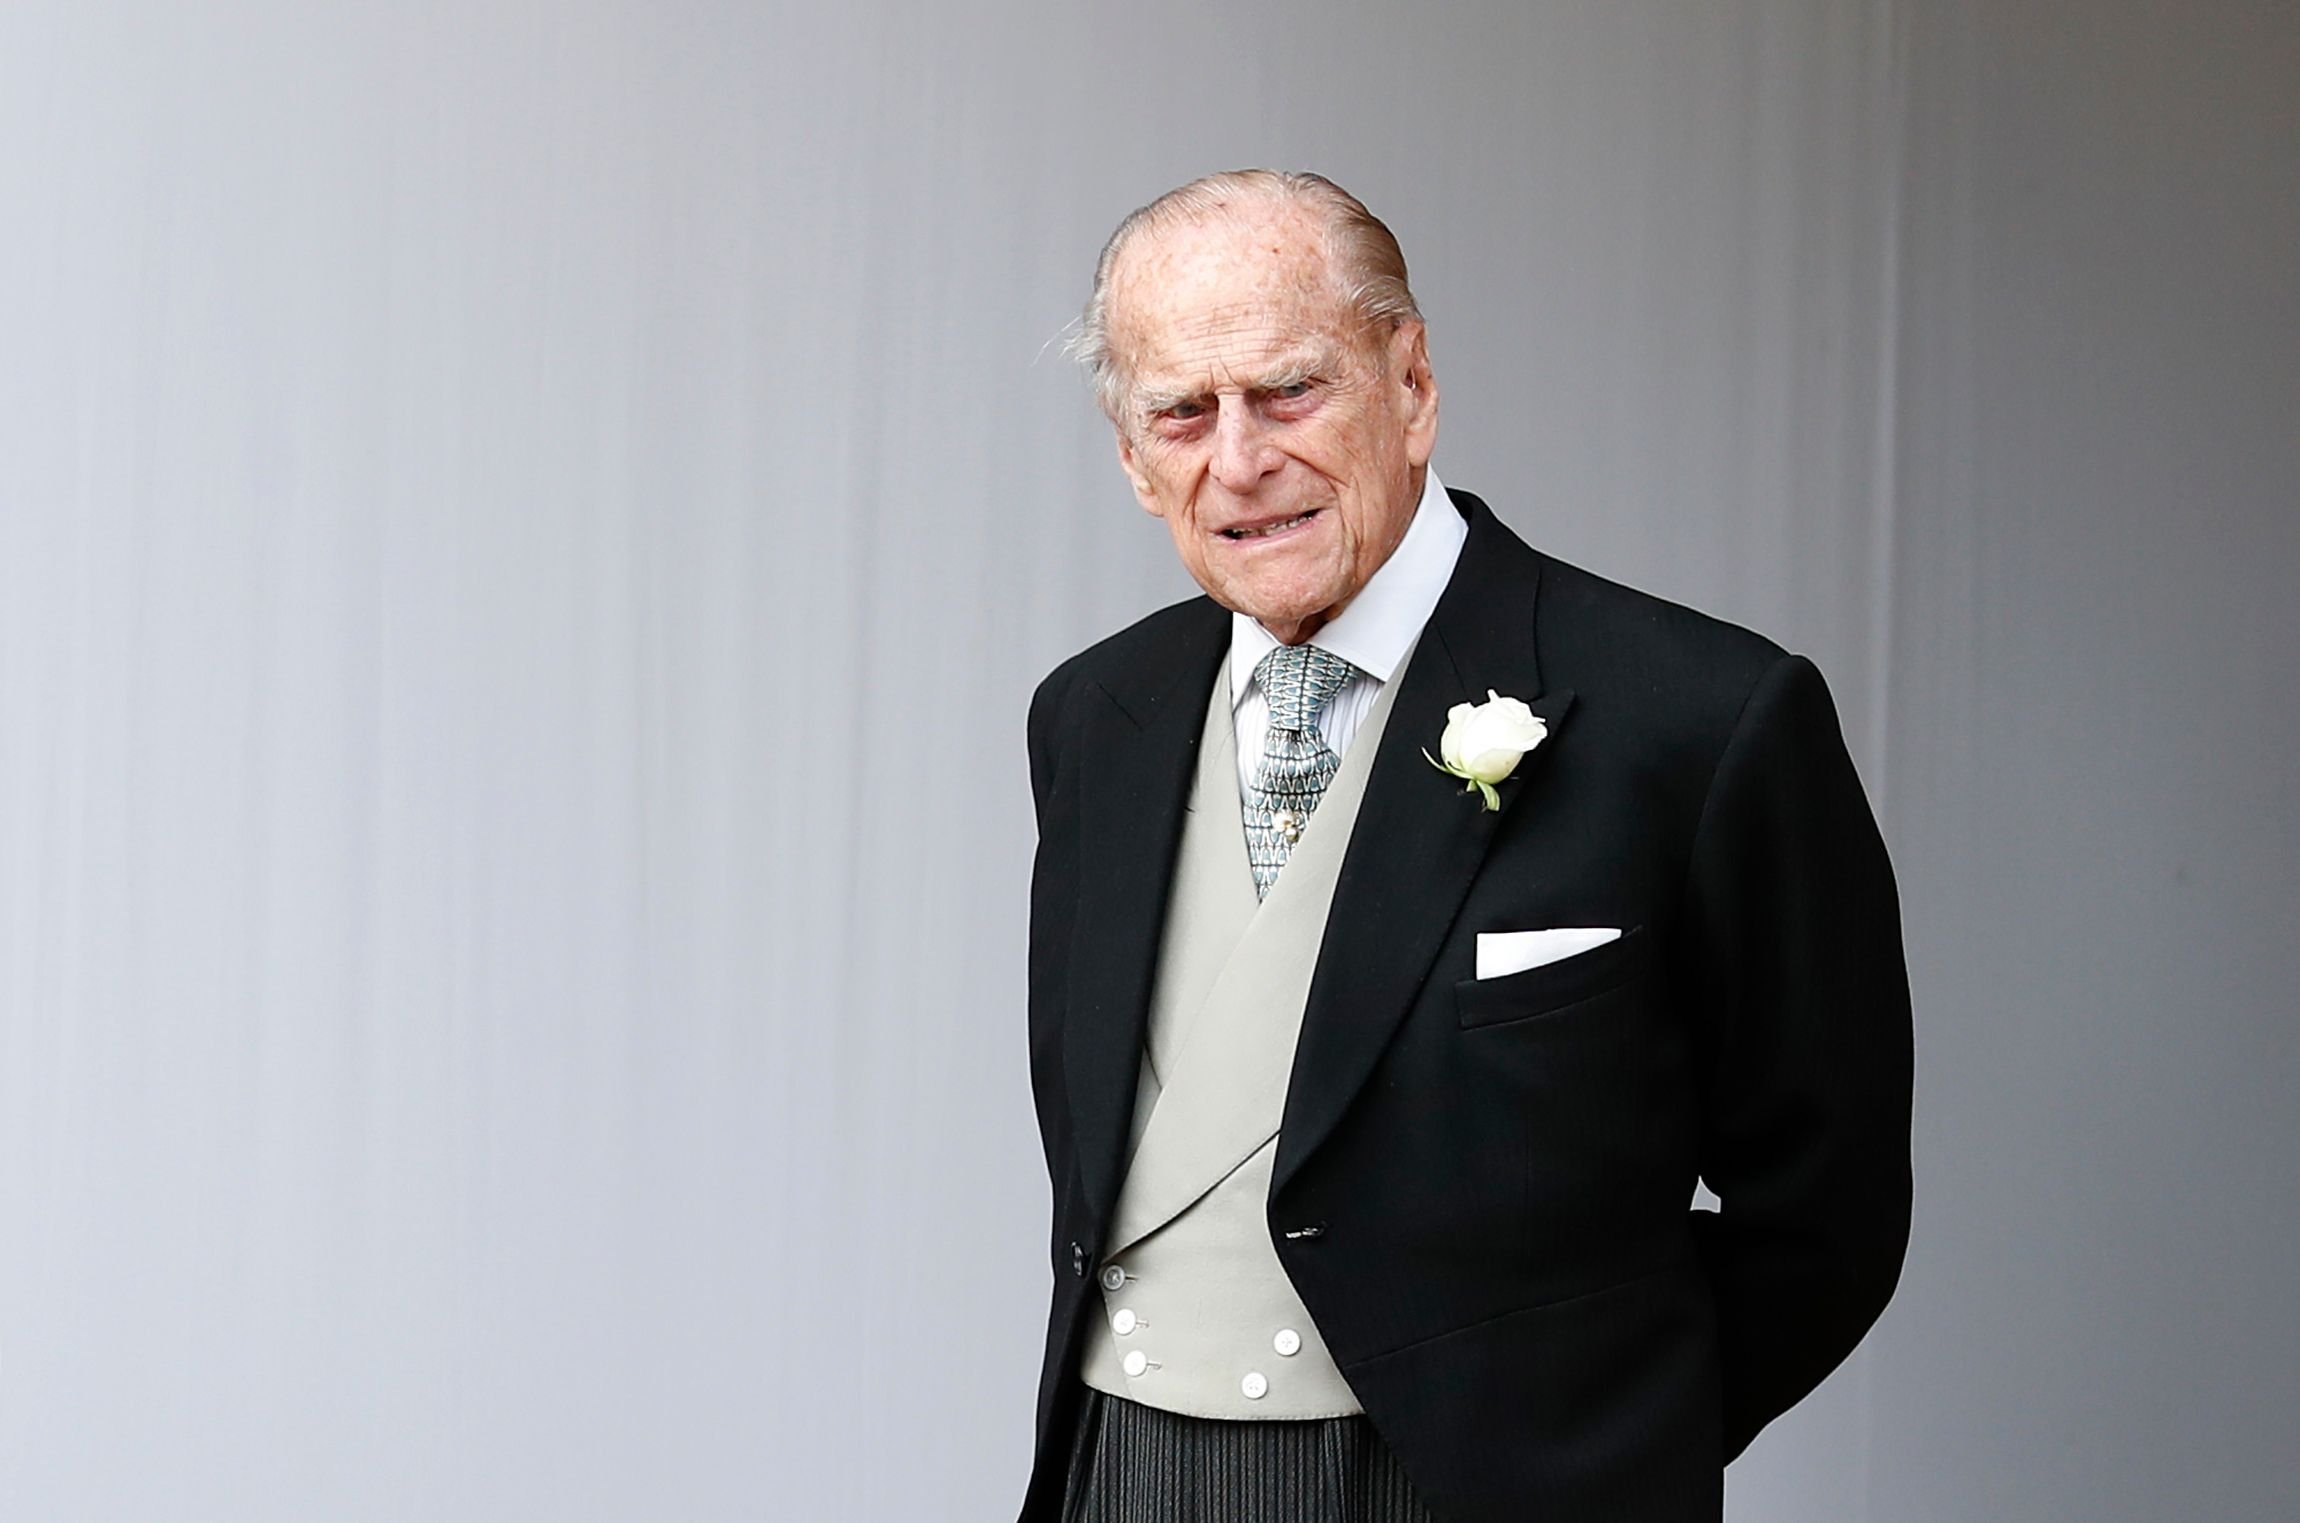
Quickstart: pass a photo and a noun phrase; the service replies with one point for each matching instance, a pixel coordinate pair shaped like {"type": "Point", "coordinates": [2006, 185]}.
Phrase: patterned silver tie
{"type": "Point", "coordinates": [1297, 764]}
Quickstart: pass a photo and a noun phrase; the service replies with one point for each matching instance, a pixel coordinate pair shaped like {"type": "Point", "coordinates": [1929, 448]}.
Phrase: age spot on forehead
{"type": "Point", "coordinates": [1230, 289]}
{"type": "Point", "coordinates": [1250, 243]}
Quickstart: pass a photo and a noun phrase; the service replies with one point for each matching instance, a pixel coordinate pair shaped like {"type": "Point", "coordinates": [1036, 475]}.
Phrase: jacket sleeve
{"type": "Point", "coordinates": [1053, 891]}
{"type": "Point", "coordinates": [1802, 997]}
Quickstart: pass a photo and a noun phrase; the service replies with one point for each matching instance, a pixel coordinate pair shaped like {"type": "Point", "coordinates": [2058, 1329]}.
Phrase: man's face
{"type": "Point", "coordinates": [1281, 440]}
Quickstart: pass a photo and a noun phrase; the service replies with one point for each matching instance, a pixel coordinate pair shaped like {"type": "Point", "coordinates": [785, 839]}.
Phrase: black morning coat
{"type": "Point", "coordinates": [1482, 1188]}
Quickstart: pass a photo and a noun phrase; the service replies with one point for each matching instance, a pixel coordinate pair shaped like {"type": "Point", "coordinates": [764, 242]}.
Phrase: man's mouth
{"type": "Point", "coordinates": [1264, 531]}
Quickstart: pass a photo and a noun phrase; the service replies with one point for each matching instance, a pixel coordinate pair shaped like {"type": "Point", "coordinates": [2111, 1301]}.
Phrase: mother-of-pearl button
{"type": "Point", "coordinates": [1288, 1342]}
{"type": "Point", "coordinates": [1254, 1386]}
{"type": "Point", "coordinates": [1135, 1364]}
{"type": "Point", "coordinates": [1122, 1321]}
{"type": "Point", "coordinates": [1113, 1278]}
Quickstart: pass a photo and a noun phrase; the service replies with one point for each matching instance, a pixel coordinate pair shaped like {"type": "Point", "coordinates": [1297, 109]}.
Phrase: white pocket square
{"type": "Point", "coordinates": [1504, 952]}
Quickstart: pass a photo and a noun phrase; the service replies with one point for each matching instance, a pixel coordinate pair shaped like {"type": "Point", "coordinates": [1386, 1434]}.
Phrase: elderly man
{"type": "Point", "coordinates": [1416, 920]}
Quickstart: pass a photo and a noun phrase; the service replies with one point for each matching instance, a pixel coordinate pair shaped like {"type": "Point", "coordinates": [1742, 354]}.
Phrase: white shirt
{"type": "Point", "coordinates": [1373, 634]}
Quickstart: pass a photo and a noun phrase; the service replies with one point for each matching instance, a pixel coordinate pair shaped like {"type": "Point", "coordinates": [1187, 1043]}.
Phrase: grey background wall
{"type": "Point", "coordinates": [526, 532]}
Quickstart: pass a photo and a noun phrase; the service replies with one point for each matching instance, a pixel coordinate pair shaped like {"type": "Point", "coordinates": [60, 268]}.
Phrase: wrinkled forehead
{"type": "Point", "coordinates": [1223, 296]}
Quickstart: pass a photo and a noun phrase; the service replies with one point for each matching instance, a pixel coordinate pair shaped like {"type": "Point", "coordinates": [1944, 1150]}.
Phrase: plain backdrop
{"type": "Point", "coordinates": [527, 530]}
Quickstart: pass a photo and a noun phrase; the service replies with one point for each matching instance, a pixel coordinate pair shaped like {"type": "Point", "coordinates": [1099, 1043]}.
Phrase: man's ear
{"type": "Point", "coordinates": [1133, 470]}
{"type": "Point", "coordinates": [1417, 393]}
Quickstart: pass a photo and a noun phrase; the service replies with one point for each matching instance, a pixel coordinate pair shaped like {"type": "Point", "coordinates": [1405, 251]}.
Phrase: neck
{"type": "Point", "coordinates": [1300, 629]}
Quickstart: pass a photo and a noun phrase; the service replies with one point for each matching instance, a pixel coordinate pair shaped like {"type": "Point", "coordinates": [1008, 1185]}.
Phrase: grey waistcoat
{"type": "Point", "coordinates": [1199, 1316]}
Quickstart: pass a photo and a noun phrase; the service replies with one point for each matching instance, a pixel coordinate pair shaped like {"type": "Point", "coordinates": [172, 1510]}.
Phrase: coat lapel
{"type": "Point", "coordinates": [1138, 754]}
{"type": "Point", "coordinates": [1420, 837]}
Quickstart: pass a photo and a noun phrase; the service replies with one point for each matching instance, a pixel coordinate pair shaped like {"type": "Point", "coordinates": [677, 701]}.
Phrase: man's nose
{"type": "Point", "coordinates": [1243, 451]}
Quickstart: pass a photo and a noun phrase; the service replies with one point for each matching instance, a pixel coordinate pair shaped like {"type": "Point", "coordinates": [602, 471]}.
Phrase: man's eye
{"type": "Point", "coordinates": [1291, 391]}
{"type": "Point", "coordinates": [1183, 412]}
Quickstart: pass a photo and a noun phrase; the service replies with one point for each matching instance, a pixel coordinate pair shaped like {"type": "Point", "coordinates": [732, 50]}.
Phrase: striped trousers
{"type": "Point", "coordinates": [1136, 1464]}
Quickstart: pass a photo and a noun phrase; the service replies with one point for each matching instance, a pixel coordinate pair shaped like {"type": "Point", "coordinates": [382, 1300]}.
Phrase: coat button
{"type": "Point", "coordinates": [1254, 1386]}
{"type": "Point", "coordinates": [1113, 1278]}
{"type": "Point", "coordinates": [1122, 1321]}
{"type": "Point", "coordinates": [1078, 1260]}
{"type": "Point", "coordinates": [1288, 1342]}
{"type": "Point", "coordinates": [1135, 1363]}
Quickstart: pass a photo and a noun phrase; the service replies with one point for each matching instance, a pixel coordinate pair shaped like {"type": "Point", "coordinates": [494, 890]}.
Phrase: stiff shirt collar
{"type": "Point", "coordinates": [1382, 622]}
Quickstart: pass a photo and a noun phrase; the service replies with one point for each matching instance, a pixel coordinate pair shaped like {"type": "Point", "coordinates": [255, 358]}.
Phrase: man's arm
{"type": "Point", "coordinates": [1802, 996]}
{"type": "Point", "coordinates": [1053, 891]}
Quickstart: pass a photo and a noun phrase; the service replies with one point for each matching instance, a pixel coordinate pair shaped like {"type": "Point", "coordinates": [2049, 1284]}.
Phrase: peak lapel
{"type": "Point", "coordinates": [1420, 837]}
{"type": "Point", "coordinates": [1138, 753]}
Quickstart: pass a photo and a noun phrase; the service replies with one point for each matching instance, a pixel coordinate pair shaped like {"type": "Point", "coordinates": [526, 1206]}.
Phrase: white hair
{"type": "Point", "coordinates": [1358, 245]}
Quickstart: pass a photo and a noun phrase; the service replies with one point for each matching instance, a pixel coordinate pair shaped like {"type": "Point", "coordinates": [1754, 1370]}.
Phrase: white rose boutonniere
{"type": "Point", "coordinates": [1484, 742]}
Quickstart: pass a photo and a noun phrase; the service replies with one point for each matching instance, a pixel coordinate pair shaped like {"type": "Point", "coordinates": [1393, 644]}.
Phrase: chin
{"type": "Point", "coordinates": [1277, 615]}
{"type": "Point", "coordinates": [1282, 597]}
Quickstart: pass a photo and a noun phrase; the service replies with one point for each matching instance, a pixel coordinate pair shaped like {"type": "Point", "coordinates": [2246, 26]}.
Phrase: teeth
{"type": "Point", "coordinates": [1268, 528]}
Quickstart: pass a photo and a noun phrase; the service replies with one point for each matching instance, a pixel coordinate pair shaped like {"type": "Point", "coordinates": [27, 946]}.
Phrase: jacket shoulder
{"type": "Point", "coordinates": [1123, 660]}
{"type": "Point", "coordinates": [1598, 635]}
{"type": "Point", "coordinates": [1608, 641]}
{"type": "Point", "coordinates": [1136, 667]}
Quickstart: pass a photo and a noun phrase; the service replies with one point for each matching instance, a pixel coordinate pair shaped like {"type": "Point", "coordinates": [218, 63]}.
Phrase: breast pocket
{"type": "Point", "coordinates": [1554, 987]}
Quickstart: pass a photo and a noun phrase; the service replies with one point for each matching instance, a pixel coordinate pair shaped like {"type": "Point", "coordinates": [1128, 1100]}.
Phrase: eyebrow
{"type": "Point", "coordinates": [1304, 365]}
